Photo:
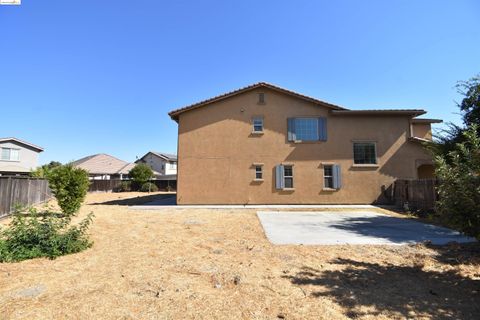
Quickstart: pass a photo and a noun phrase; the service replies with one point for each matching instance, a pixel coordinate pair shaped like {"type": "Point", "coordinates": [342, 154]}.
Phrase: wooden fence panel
{"type": "Point", "coordinates": [416, 194]}
{"type": "Point", "coordinates": [114, 184]}
{"type": "Point", "coordinates": [22, 191]}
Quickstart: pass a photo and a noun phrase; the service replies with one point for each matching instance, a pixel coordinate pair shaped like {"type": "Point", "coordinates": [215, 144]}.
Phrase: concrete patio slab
{"type": "Point", "coordinates": [329, 228]}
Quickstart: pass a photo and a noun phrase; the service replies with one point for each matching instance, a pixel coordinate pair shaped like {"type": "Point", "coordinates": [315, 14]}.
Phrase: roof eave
{"type": "Point", "coordinates": [405, 112]}
{"type": "Point", "coordinates": [175, 113]}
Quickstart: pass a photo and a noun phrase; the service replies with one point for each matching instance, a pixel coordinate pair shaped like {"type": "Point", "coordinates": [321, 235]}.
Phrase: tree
{"type": "Point", "coordinates": [43, 171]}
{"type": "Point", "coordinates": [470, 105]}
{"type": "Point", "coordinates": [69, 185]}
{"type": "Point", "coordinates": [470, 110]}
{"type": "Point", "coordinates": [459, 188]}
{"type": "Point", "coordinates": [140, 174]}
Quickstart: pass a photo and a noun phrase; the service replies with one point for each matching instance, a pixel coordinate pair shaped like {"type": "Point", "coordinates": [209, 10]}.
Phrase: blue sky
{"type": "Point", "coordinates": [84, 77]}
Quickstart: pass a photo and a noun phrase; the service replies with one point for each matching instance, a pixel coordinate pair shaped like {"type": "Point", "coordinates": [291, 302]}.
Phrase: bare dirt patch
{"type": "Point", "coordinates": [217, 264]}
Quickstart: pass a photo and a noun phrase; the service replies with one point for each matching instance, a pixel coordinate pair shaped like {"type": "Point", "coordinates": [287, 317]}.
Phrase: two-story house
{"type": "Point", "coordinates": [17, 157]}
{"type": "Point", "coordinates": [160, 162]}
{"type": "Point", "coordinates": [266, 145]}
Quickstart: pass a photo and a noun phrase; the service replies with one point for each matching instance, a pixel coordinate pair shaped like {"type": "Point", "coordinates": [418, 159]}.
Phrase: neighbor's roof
{"type": "Point", "coordinates": [174, 114]}
{"type": "Point", "coordinates": [103, 164]}
{"type": "Point", "coordinates": [31, 145]}
{"type": "Point", "coordinates": [335, 108]}
{"type": "Point", "coordinates": [163, 155]}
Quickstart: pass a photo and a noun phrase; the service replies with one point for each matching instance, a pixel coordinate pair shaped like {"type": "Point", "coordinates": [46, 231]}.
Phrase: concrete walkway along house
{"type": "Point", "coordinates": [263, 144]}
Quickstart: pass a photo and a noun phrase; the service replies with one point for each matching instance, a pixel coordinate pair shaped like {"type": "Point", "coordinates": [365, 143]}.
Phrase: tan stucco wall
{"type": "Point", "coordinates": [422, 130]}
{"type": "Point", "coordinates": [216, 151]}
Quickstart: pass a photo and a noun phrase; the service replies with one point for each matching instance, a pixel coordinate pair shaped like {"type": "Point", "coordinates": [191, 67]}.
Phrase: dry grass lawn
{"type": "Point", "coordinates": [217, 264]}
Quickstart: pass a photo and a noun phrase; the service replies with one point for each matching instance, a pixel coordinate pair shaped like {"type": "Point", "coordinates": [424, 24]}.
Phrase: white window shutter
{"type": "Point", "coordinates": [337, 177]}
{"type": "Point", "coordinates": [279, 181]}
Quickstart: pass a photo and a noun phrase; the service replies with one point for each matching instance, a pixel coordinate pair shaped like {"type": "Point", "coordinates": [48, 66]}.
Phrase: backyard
{"type": "Point", "coordinates": [218, 264]}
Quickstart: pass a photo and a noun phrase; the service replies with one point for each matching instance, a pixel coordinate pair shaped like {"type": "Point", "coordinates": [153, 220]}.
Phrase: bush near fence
{"type": "Point", "coordinates": [114, 185]}
{"type": "Point", "coordinates": [22, 191]}
{"type": "Point", "coordinates": [416, 195]}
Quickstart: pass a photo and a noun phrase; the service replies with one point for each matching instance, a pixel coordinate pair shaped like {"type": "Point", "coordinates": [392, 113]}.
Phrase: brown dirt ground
{"type": "Point", "coordinates": [217, 264]}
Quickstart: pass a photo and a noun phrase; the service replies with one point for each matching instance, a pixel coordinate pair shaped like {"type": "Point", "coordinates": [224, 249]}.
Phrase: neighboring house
{"type": "Point", "coordinates": [161, 163]}
{"type": "Point", "coordinates": [104, 167]}
{"type": "Point", "coordinates": [266, 145]}
{"type": "Point", "coordinates": [18, 157]}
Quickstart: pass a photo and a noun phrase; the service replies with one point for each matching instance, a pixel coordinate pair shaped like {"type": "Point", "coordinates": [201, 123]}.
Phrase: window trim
{"type": "Point", "coordinates": [10, 154]}
{"type": "Point", "coordinates": [365, 142]}
{"type": "Point", "coordinates": [325, 187]}
{"type": "Point", "coordinates": [255, 167]}
{"type": "Point", "coordinates": [253, 124]}
{"type": "Point", "coordinates": [290, 177]}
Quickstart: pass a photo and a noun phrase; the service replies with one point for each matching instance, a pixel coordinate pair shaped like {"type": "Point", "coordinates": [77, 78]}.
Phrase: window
{"type": "Point", "coordinates": [288, 177]}
{"type": "Point", "coordinates": [261, 98]}
{"type": "Point", "coordinates": [284, 177]}
{"type": "Point", "coordinates": [258, 172]}
{"type": "Point", "coordinates": [257, 124]}
{"type": "Point", "coordinates": [328, 176]}
{"type": "Point", "coordinates": [172, 165]}
{"type": "Point", "coordinates": [307, 129]}
{"type": "Point", "coordinates": [364, 153]}
{"type": "Point", "coordinates": [332, 176]}
{"type": "Point", "coordinates": [9, 154]}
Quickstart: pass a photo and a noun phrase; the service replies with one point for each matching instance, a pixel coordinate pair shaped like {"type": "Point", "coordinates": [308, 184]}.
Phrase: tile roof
{"type": "Point", "coordinates": [174, 114]}
{"type": "Point", "coordinates": [103, 164]}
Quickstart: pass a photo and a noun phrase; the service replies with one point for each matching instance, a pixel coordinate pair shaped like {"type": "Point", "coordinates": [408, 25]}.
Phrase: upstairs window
{"type": "Point", "coordinates": [307, 129]}
{"type": "Point", "coordinates": [9, 154]}
{"type": "Point", "coordinates": [257, 124]}
{"type": "Point", "coordinates": [364, 153]}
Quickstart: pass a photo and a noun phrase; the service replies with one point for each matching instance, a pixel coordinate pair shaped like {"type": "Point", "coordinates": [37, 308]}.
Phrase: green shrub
{"type": "Point", "coordinates": [140, 174]}
{"type": "Point", "coordinates": [33, 235]}
{"type": "Point", "coordinates": [69, 186]}
{"type": "Point", "coordinates": [125, 186]}
{"type": "Point", "coordinates": [149, 187]}
{"type": "Point", "coordinates": [459, 189]}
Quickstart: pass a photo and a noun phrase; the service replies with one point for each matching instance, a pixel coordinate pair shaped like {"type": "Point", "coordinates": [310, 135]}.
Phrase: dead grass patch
{"type": "Point", "coordinates": [217, 264]}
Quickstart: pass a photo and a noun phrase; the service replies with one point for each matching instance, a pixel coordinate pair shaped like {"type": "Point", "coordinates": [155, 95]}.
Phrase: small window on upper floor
{"type": "Point", "coordinates": [257, 125]}
{"type": "Point", "coordinates": [261, 98]}
{"type": "Point", "coordinates": [364, 153]}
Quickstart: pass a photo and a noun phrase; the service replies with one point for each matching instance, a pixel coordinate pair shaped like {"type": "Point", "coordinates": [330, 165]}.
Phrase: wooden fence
{"type": "Point", "coordinates": [113, 185]}
{"type": "Point", "coordinates": [22, 191]}
{"type": "Point", "coordinates": [416, 194]}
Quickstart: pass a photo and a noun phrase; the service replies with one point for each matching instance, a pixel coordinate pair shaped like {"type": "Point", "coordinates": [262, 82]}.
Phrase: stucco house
{"type": "Point", "coordinates": [263, 144]}
{"type": "Point", "coordinates": [160, 162]}
{"type": "Point", "coordinates": [18, 157]}
{"type": "Point", "coordinates": [104, 167]}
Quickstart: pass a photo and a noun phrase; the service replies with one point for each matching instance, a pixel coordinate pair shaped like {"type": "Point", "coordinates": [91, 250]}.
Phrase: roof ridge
{"type": "Point", "coordinates": [174, 113]}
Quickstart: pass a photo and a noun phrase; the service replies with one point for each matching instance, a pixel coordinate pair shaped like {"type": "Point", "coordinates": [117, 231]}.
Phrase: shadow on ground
{"type": "Point", "coordinates": [371, 289]}
{"type": "Point", "coordinates": [154, 199]}
{"type": "Point", "coordinates": [400, 230]}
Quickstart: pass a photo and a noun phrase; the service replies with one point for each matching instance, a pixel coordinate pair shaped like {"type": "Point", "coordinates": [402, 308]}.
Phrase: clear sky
{"type": "Point", "coordinates": [80, 77]}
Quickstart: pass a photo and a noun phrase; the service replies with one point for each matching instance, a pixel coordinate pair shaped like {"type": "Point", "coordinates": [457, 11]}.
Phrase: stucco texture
{"type": "Point", "coordinates": [217, 150]}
